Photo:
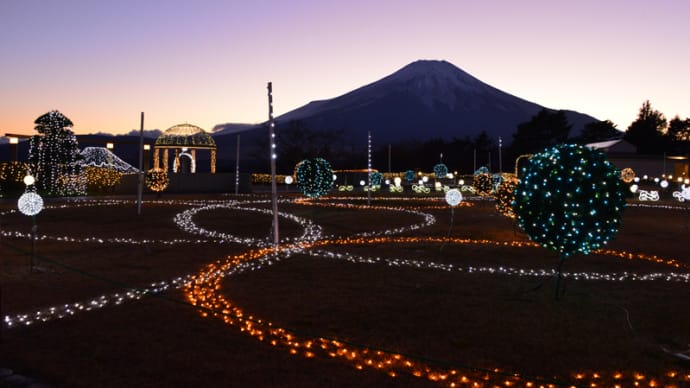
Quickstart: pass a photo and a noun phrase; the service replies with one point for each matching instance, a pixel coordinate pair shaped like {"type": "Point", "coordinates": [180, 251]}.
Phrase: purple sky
{"type": "Point", "coordinates": [101, 63]}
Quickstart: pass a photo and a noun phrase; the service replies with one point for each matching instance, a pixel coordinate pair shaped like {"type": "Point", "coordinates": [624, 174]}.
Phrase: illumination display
{"type": "Point", "coordinates": [30, 203]}
{"type": "Point", "coordinates": [314, 177]}
{"type": "Point", "coordinates": [505, 195]}
{"type": "Point", "coordinates": [376, 179]}
{"type": "Point", "coordinates": [453, 197]}
{"type": "Point", "coordinates": [570, 199]}
{"type": "Point", "coordinates": [483, 184]}
{"type": "Point", "coordinates": [205, 290]}
{"type": "Point", "coordinates": [440, 171]}
{"type": "Point", "coordinates": [103, 157]}
{"type": "Point", "coordinates": [627, 175]}
{"type": "Point", "coordinates": [54, 156]}
{"type": "Point", "coordinates": [409, 176]}
{"type": "Point", "coordinates": [648, 195]}
{"type": "Point", "coordinates": [157, 179]}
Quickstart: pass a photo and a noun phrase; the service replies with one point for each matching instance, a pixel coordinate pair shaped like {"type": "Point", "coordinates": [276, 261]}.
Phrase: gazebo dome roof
{"type": "Point", "coordinates": [185, 135]}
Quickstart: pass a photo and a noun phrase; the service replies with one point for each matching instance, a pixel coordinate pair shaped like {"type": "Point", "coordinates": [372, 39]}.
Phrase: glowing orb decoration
{"type": "Point", "coordinates": [362, 182]}
{"type": "Point", "coordinates": [409, 176]}
{"type": "Point", "coordinates": [314, 177]}
{"type": "Point", "coordinates": [483, 184]}
{"type": "Point", "coordinates": [440, 171]}
{"type": "Point", "coordinates": [397, 180]}
{"type": "Point", "coordinates": [634, 188]}
{"type": "Point", "coordinates": [570, 199]}
{"type": "Point", "coordinates": [157, 179]}
{"type": "Point", "coordinates": [453, 197]}
{"type": "Point", "coordinates": [29, 180]}
{"type": "Point", "coordinates": [288, 180]}
{"type": "Point", "coordinates": [30, 203]}
{"type": "Point", "coordinates": [627, 175]}
{"type": "Point", "coordinates": [376, 178]}
{"type": "Point", "coordinates": [425, 179]}
{"type": "Point", "coordinates": [664, 184]}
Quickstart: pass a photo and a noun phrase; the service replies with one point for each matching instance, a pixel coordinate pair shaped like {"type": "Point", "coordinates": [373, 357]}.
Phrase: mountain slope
{"type": "Point", "coordinates": [423, 100]}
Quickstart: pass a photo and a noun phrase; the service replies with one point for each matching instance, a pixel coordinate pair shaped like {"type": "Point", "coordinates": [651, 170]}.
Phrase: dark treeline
{"type": "Point", "coordinates": [651, 133]}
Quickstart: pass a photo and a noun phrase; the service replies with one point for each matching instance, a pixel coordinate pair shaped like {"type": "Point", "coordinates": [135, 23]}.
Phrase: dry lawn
{"type": "Point", "coordinates": [455, 320]}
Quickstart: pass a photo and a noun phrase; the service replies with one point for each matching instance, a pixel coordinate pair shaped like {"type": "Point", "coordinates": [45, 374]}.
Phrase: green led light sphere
{"type": "Point", "coordinates": [314, 177]}
{"type": "Point", "coordinates": [570, 199]}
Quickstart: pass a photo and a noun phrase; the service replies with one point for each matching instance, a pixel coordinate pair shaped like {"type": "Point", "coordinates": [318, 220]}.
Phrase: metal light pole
{"type": "Point", "coordinates": [500, 158]}
{"type": "Point", "coordinates": [140, 183]}
{"type": "Point", "coordinates": [272, 153]}
{"type": "Point", "coordinates": [237, 166]}
{"type": "Point", "coordinates": [369, 168]}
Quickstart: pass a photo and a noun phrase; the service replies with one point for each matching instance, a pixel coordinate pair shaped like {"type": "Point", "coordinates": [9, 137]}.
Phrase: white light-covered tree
{"type": "Point", "coordinates": [54, 156]}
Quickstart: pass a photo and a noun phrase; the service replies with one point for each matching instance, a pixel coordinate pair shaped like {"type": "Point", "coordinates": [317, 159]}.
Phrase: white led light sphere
{"type": "Point", "coordinates": [29, 180]}
{"type": "Point", "coordinates": [453, 197]}
{"type": "Point", "coordinates": [30, 203]}
{"type": "Point", "coordinates": [362, 182]}
{"type": "Point", "coordinates": [425, 179]}
{"type": "Point", "coordinates": [288, 180]}
{"type": "Point", "coordinates": [634, 188]}
{"type": "Point", "coordinates": [664, 184]}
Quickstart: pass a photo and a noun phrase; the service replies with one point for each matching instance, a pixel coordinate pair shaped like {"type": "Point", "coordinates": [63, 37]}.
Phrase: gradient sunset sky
{"type": "Point", "coordinates": [103, 62]}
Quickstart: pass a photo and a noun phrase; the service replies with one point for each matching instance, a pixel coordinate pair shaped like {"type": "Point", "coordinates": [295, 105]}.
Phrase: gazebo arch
{"type": "Point", "coordinates": [183, 138]}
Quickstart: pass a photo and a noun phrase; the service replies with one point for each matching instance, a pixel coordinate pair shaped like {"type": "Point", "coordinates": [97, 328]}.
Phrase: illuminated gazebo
{"type": "Point", "coordinates": [184, 139]}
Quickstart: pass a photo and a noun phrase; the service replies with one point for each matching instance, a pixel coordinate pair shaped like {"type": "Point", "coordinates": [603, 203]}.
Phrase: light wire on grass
{"type": "Point", "coordinates": [161, 295]}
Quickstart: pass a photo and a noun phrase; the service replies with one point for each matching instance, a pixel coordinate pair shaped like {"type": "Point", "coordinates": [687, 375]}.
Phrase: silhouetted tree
{"type": "Point", "coordinates": [598, 131]}
{"type": "Point", "coordinates": [647, 131]}
{"type": "Point", "coordinates": [679, 135]}
{"type": "Point", "coordinates": [678, 129]}
{"type": "Point", "coordinates": [547, 128]}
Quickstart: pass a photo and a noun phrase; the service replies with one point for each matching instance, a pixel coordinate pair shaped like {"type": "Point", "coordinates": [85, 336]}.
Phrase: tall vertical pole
{"type": "Point", "coordinates": [140, 184]}
{"type": "Point", "coordinates": [475, 161]}
{"type": "Point", "coordinates": [273, 155]}
{"type": "Point", "coordinates": [237, 167]}
{"type": "Point", "coordinates": [500, 157]}
{"type": "Point", "coordinates": [389, 158]}
{"type": "Point", "coordinates": [369, 168]}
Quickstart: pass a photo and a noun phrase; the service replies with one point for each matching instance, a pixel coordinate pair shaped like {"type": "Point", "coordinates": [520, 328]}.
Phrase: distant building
{"type": "Point", "coordinates": [624, 155]}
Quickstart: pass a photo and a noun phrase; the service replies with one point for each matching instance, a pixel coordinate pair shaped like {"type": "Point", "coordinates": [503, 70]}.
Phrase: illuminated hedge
{"type": "Point", "coordinates": [570, 199]}
{"type": "Point", "coordinates": [314, 177]}
{"type": "Point", "coordinates": [101, 179]}
{"type": "Point", "coordinates": [505, 195]}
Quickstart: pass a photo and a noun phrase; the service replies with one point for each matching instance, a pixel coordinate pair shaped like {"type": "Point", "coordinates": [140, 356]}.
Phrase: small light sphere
{"type": "Point", "coordinates": [425, 179]}
{"type": "Point", "coordinates": [30, 204]}
{"type": "Point", "coordinates": [453, 197]}
{"type": "Point", "coordinates": [420, 182]}
{"type": "Point", "coordinates": [397, 181]}
{"type": "Point", "coordinates": [634, 188]}
{"type": "Point", "coordinates": [29, 180]}
{"type": "Point", "coordinates": [288, 179]}
{"type": "Point", "coordinates": [461, 182]}
{"type": "Point", "coordinates": [362, 182]}
{"type": "Point", "coordinates": [335, 177]}
{"type": "Point", "coordinates": [388, 181]}
{"type": "Point", "coordinates": [664, 184]}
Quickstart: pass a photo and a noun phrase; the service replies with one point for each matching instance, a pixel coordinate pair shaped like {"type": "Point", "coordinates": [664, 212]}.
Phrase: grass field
{"type": "Point", "coordinates": [452, 302]}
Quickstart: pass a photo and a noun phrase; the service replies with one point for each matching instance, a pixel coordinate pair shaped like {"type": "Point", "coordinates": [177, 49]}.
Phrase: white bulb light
{"type": "Point", "coordinates": [664, 184]}
{"type": "Point", "coordinates": [453, 197]}
{"type": "Point", "coordinates": [397, 180]}
{"type": "Point", "coordinates": [29, 180]}
{"type": "Point", "coordinates": [288, 179]}
{"type": "Point", "coordinates": [30, 203]}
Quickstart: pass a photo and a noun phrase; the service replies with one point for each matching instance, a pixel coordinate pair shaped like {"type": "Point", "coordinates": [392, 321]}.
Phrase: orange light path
{"type": "Point", "coordinates": [204, 292]}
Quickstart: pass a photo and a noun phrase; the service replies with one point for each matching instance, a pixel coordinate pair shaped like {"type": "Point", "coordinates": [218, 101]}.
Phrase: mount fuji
{"type": "Point", "coordinates": [425, 99]}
